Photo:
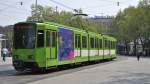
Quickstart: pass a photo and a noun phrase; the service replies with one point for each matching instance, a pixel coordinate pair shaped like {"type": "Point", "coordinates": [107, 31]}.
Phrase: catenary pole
{"type": "Point", "coordinates": [36, 17]}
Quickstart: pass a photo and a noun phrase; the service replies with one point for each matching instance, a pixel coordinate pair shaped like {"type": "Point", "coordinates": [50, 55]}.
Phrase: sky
{"type": "Point", "coordinates": [11, 11]}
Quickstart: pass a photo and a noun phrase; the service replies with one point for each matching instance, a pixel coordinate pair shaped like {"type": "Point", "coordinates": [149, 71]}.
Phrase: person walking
{"type": "Point", "coordinates": [1, 52]}
{"type": "Point", "coordinates": [139, 53]}
{"type": "Point", "coordinates": [138, 56]}
{"type": "Point", "coordinates": [4, 53]}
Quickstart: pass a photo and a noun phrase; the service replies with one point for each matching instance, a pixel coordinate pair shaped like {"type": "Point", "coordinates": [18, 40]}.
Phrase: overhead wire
{"type": "Point", "coordinates": [107, 1]}
{"type": "Point", "coordinates": [12, 6]}
{"type": "Point", "coordinates": [53, 5]}
{"type": "Point", "coordinates": [8, 1]}
{"type": "Point", "coordinates": [63, 5]}
{"type": "Point", "coordinates": [17, 10]}
{"type": "Point", "coordinates": [12, 17]}
{"type": "Point", "coordinates": [110, 6]}
{"type": "Point", "coordinates": [19, 13]}
{"type": "Point", "coordinates": [102, 6]}
{"type": "Point", "coordinates": [53, 1]}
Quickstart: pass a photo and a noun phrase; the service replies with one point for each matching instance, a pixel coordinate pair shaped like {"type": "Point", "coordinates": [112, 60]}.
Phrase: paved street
{"type": "Point", "coordinates": [121, 72]}
{"type": "Point", "coordinates": [124, 70]}
{"type": "Point", "coordinates": [7, 62]}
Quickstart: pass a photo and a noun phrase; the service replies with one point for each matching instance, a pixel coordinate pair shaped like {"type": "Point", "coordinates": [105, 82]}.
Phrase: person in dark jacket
{"type": "Point", "coordinates": [139, 53]}
{"type": "Point", "coordinates": [4, 53]}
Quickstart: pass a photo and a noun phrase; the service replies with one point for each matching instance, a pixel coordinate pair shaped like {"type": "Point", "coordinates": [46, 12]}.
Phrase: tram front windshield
{"type": "Point", "coordinates": [24, 36]}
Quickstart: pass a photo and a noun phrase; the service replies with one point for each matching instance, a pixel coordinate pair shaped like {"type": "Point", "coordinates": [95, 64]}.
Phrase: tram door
{"type": "Point", "coordinates": [51, 44]}
{"type": "Point", "coordinates": [78, 44]}
{"type": "Point", "coordinates": [53, 54]}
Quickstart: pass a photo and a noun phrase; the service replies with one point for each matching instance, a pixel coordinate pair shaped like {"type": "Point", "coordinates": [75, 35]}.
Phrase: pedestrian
{"type": "Point", "coordinates": [139, 53]}
{"type": "Point", "coordinates": [1, 52]}
{"type": "Point", "coordinates": [4, 53]}
{"type": "Point", "coordinates": [138, 56]}
{"type": "Point", "coordinates": [9, 52]}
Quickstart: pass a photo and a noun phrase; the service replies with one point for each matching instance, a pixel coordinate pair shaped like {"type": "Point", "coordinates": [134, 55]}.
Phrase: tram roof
{"type": "Point", "coordinates": [71, 28]}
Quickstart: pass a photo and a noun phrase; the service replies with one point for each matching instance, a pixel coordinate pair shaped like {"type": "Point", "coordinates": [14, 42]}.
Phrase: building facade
{"type": "Point", "coordinates": [105, 20]}
{"type": "Point", "coordinates": [6, 36]}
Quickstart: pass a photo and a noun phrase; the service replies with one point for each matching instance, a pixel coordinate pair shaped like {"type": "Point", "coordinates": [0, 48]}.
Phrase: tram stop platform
{"type": "Point", "coordinates": [128, 71]}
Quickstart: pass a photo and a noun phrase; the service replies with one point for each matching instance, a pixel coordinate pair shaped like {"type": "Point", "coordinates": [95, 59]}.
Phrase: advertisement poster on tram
{"type": "Point", "coordinates": [66, 44]}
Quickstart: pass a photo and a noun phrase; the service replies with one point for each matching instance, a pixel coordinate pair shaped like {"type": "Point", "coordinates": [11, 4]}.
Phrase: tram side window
{"type": "Point", "coordinates": [77, 41]}
{"type": "Point", "coordinates": [114, 44]}
{"type": "Point", "coordinates": [100, 43]}
{"type": "Point", "coordinates": [111, 45]}
{"type": "Point", "coordinates": [92, 42]}
{"type": "Point", "coordinates": [84, 42]}
{"type": "Point", "coordinates": [47, 38]}
{"type": "Point", "coordinates": [40, 40]}
{"type": "Point", "coordinates": [96, 43]}
{"type": "Point", "coordinates": [106, 44]}
{"type": "Point", "coordinates": [54, 39]}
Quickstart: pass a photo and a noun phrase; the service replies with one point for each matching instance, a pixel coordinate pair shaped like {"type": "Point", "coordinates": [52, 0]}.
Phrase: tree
{"type": "Point", "coordinates": [133, 23]}
{"type": "Point", "coordinates": [48, 14]}
{"type": "Point", "coordinates": [36, 13]}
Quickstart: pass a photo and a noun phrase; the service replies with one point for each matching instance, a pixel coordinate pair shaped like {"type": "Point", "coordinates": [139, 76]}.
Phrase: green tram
{"type": "Point", "coordinates": [46, 45]}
